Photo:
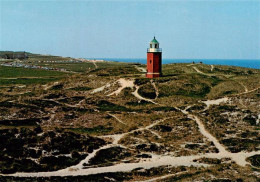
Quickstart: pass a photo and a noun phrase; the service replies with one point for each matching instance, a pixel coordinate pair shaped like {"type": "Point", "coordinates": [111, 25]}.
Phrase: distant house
{"type": "Point", "coordinates": [13, 55]}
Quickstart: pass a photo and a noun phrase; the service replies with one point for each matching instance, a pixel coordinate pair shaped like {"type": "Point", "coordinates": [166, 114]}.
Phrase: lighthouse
{"type": "Point", "coordinates": [154, 60]}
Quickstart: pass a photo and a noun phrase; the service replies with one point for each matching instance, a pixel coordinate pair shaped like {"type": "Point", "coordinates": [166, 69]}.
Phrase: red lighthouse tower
{"type": "Point", "coordinates": [154, 60]}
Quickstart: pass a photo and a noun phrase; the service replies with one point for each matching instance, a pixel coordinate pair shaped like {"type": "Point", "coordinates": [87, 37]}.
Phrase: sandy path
{"type": "Point", "coordinates": [192, 64]}
{"type": "Point", "coordinates": [239, 158]}
{"type": "Point", "coordinates": [212, 68]}
{"type": "Point", "coordinates": [215, 102]}
{"type": "Point", "coordinates": [122, 167]}
{"type": "Point", "coordinates": [141, 69]}
{"type": "Point", "coordinates": [136, 94]}
{"type": "Point", "coordinates": [155, 88]}
{"type": "Point", "coordinates": [154, 133]}
{"type": "Point", "coordinates": [155, 161]}
{"type": "Point", "coordinates": [119, 120]}
{"type": "Point", "coordinates": [47, 87]}
{"type": "Point", "coordinates": [163, 177]}
{"type": "Point", "coordinates": [100, 89]}
{"type": "Point", "coordinates": [95, 64]}
{"type": "Point", "coordinates": [69, 105]}
{"type": "Point", "coordinates": [204, 132]}
{"type": "Point", "coordinates": [124, 83]}
{"type": "Point", "coordinates": [86, 160]}
{"type": "Point", "coordinates": [248, 91]}
{"type": "Point", "coordinates": [80, 102]}
{"type": "Point", "coordinates": [196, 69]}
{"type": "Point", "coordinates": [258, 119]}
{"type": "Point", "coordinates": [210, 74]}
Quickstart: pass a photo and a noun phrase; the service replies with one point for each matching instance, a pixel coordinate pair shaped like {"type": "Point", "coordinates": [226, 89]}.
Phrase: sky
{"type": "Point", "coordinates": [192, 29]}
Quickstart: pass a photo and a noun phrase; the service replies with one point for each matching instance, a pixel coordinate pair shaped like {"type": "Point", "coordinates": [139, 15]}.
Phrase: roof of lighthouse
{"type": "Point", "coordinates": [154, 41]}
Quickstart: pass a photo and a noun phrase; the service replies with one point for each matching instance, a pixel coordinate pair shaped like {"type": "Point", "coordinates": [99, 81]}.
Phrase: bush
{"type": "Point", "coordinates": [147, 91]}
{"type": "Point", "coordinates": [109, 155]}
{"type": "Point", "coordinates": [81, 88]}
{"type": "Point", "coordinates": [255, 160]}
{"type": "Point", "coordinates": [108, 106]}
{"type": "Point", "coordinates": [250, 119]}
{"type": "Point", "coordinates": [57, 87]}
{"type": "Point", "coordinates": [165, 109]}
{"type": "Point", "coordinates": [163, 128]}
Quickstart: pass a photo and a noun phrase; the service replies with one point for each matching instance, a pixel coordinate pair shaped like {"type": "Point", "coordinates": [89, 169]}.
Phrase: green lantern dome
{"type": "Point", "coordinates": [154, 41]}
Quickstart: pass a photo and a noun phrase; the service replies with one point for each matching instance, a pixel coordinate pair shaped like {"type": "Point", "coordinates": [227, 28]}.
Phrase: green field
{"type": "Point", "coordinates": [74, 67]}
{"type": "Point", "coordinates": [26, 81]}
{"type": "Point", "coordinates": [78, 66]}
{"type": "Point", "coordinates": [12, 72]}
{"type": "Point", "coordinates": [12, 76]}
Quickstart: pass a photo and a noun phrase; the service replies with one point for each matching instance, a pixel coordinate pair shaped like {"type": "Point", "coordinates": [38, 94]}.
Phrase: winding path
{"type": "Point", "coordinates": [125, 83]}
{"type": "Point", "coordinates": [196, 69]}
{"type": "Point", "coordinates": [137, 95]}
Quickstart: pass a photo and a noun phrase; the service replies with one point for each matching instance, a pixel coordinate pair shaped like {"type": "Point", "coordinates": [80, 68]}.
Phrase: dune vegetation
{"type": "Point", "coordinates": [104, 121]}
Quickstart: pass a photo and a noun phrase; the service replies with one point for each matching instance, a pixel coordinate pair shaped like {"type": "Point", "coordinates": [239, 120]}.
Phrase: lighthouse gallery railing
{"type": "Point", "coordinates": [154, 50]}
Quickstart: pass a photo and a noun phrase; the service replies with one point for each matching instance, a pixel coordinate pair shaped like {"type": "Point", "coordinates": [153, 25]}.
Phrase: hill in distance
{"type": "Point", "coordinates": [82, 120]}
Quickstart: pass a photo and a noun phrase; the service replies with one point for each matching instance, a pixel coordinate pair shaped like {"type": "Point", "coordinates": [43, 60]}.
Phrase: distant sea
{"type": "Point", "coordinates": [255, 63]}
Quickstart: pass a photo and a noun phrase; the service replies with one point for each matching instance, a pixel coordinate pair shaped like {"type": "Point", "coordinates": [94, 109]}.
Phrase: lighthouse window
{"type": "Point", "coordinates": [150, 61]}
{"type": "Point", "coordinates": [155, 45]}
{"type": "Point", "coordinates": [151, 46]}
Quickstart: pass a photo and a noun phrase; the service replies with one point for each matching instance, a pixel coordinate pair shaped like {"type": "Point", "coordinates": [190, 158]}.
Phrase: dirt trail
{"type": "Point", "coordinates": [212, 68]}
{"type": "Point", "coordinates": [124, 83]}
{"type": "Point", "coordinates": [100, 89]}
{"type": "Point", "coordinates": [141, 69]}
{"type": "Point", "coordinates": [192, 64]}
{"type": "Point", "coordinates": [210, 74]}
{"type": "Point", "coordinates": [95, 64]}
{"type": "Point", "coordinates": [154, 133]}
{"type": "Point", "coordinates": [47, 87]}
{"type": "Point", "coordinates": [196, 69]}
{"type": "Point", "coordinates": [87, 159]}
{"type": "Point", "coordinates": [248, 91]}
{"type": "Point", "coordinates": [258, 119]}
{"type": "Point", "coordinates": [239, 158]}
{"type": "Point", "coordinates": [155, 88]}
{"type": "Point", "coordinates": [155, 161]}
{"type": "Point", "coordinates": [137, 95]}
{"type": "Point", "coordinates": [215, 102]}
{"type": "Point", "coordinates": [122, 167]}
{"type": "Point", "coordinates": [163, 177]}
{"type": "Point", "coordinates": [204, 132]}
{"type": "Point", "coordinates": [119, 120]}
